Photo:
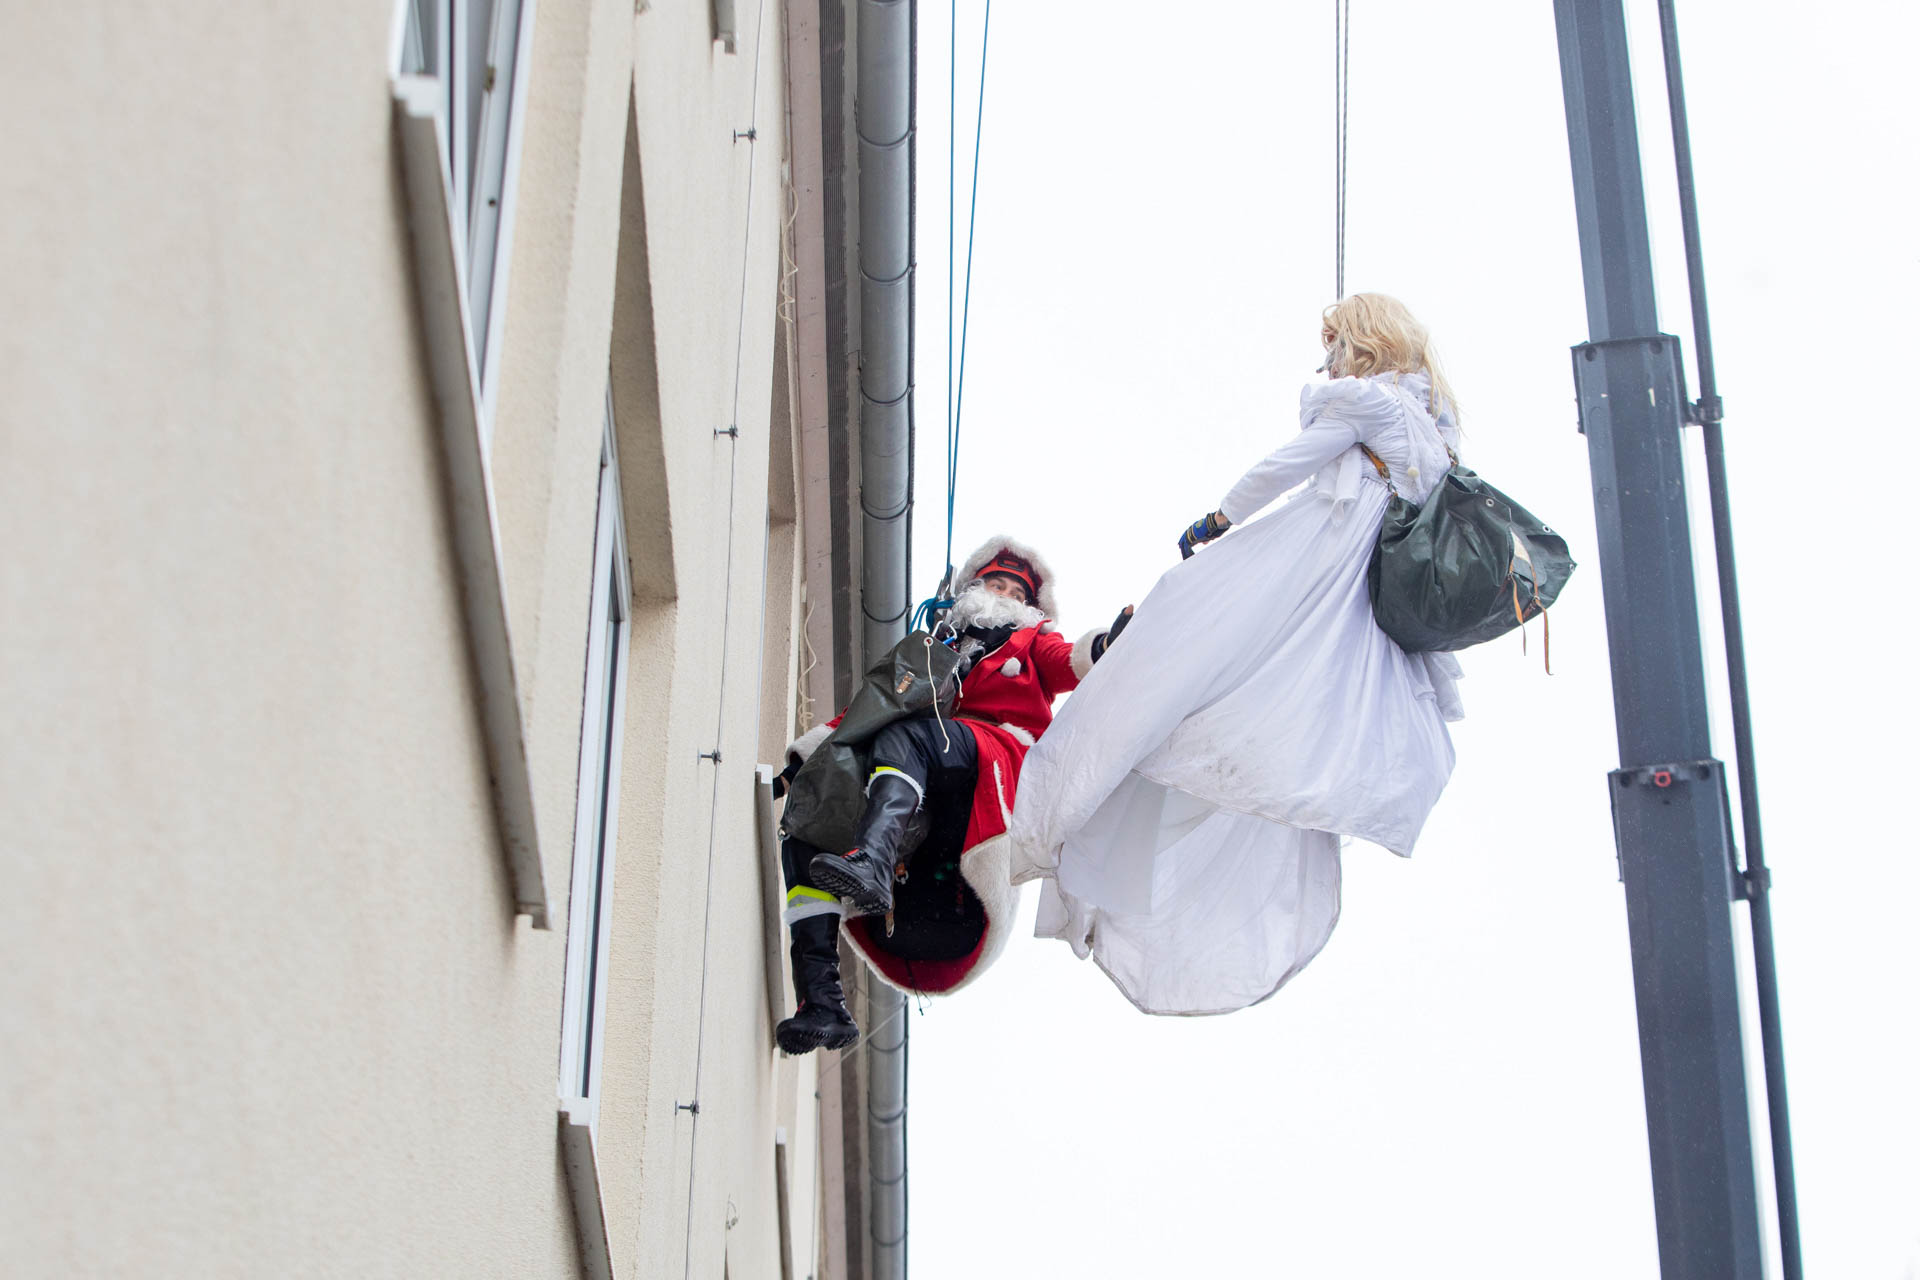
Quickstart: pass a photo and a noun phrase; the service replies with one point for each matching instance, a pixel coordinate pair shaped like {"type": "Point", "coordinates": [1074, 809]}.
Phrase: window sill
{"type": "Point", "coordinates": [438, 268]}
{"type": "Point", "coordinates": [583, 1181]}
{"type": "Point", "coordinates": [773, 891]}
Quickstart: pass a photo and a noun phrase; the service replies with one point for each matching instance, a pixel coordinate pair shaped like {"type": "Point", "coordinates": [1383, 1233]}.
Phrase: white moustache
{"type": "Point", "coordinates": [978, 607]}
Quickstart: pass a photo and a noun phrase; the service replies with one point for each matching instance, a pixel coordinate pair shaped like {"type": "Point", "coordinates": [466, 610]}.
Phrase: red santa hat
{"type": "Point", "coordinates": [1017, 560]}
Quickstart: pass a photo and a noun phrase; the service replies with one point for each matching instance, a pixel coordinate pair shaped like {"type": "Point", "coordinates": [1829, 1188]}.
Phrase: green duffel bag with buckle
{"type": "Point", "coordinates": [918, 676]}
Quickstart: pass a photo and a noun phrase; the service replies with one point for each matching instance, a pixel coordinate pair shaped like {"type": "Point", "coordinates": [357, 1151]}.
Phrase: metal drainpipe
{"type": "Point", "coordinates": [884, 120]}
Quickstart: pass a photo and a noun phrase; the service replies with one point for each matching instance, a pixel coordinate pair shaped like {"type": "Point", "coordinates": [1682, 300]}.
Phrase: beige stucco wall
{"type": "Point", "coordinates": [693, 840]}
{"type": "Point", "coordinates": [268, 1009]}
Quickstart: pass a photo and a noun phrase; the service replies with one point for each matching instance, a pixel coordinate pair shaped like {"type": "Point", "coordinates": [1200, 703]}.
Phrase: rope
{"type": "Point", "coordinates": [957, 386]}
{"type": "Point", "coordinates": [803, 704]}
{"type": "Point", "coordinates": [789, 269]}
{"type": "Point", "coordinates": [1342, 44]}
{"type": "Point", "coordinates": [953, 82]}
{"type": "Point", "coordinates": [946, 743]}
{"type": "Point", "coordinates": [732, 434]}
{"type": "Point", "coordinates": [966, 304]}
{"type": "Point", "coordinates": [846, 1053]}
{"type": "Point", "coordinates": [923, 615]}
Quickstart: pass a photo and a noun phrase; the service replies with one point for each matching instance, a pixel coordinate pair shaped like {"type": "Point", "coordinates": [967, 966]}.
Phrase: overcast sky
{"type": "Point", "coordinates": [1453, 1087]}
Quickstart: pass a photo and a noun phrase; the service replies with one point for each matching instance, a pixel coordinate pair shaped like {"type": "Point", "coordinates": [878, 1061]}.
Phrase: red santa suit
{"type": "Point", "coordinates": [1006, 703]}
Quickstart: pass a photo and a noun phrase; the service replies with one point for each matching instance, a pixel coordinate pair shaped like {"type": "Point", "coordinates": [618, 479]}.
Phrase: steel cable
{"type": "Point", "coordinates": [732, 434]}
{"type": "Point", "coordinates": [1342, 45]}
{"type": "Point", "coordinates": [958, 385]}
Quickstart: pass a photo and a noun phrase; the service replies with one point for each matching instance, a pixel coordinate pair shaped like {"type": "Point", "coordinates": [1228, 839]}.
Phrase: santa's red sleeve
{"type": "Point", "coordinates": [1053, 663]}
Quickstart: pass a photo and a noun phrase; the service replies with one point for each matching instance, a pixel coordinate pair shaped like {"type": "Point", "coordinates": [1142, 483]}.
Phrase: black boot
{"type": "Point", "coordinates": [863, 876]}
{"type": "Point", "coordinates": [821, 1021]}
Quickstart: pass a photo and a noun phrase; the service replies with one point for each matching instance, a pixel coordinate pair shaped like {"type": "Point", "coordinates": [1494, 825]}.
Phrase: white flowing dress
{"type": "Point", "coordinates": [1187, 806]}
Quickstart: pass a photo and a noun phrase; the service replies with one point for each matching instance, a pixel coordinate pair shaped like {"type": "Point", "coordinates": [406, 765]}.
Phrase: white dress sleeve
{"type": "Point", "coordinates": [1334, 416]}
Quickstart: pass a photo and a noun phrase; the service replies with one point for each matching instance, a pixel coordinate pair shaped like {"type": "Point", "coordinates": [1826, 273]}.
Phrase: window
{"type": "Point", "coordinates": [474, 50]}
{"type": "Point", "coordinates": [459, 84]}
{"type": "Point", "coordinates": [583, 1016]}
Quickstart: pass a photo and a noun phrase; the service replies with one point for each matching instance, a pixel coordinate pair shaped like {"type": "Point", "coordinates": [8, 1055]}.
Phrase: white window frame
{"type": "Point", "coordinates": [428, 136]}
{"type": "Point", "coordinates": [583, 1015]}
{"type": "Point", "coordinates": [481, 166]}
{"type": "Point", "coordinates": [597, 810]}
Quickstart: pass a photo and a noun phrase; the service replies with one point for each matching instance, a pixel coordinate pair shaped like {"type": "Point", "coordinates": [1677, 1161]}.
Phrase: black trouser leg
{"type": "Point", "coordinates": [908, 757]}
{"type": "Point", "coordinates": [794, 857]}
{"type": "Point", "coordinates": [939, 756]}
{"type": "Point", "coordinates": [820, 1019]}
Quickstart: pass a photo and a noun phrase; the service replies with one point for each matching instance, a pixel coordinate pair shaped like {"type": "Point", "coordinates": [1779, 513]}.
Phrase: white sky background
{"type": "Point", "coordinates": [1453, 1087]}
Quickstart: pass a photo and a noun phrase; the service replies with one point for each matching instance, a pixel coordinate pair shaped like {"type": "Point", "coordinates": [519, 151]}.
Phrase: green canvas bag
{"type": "Point", "coordinates": [1465, 566]}
{"type": "Point", "coordinates": [918, 676]}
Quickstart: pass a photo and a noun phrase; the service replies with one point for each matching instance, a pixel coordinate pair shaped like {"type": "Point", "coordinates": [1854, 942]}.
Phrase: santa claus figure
{"type": "Point", "coordinates": [924, 891]}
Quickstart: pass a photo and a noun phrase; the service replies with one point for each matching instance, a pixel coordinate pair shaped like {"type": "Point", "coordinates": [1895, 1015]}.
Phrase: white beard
{"type": "Point", "coordinates": [978, 607]}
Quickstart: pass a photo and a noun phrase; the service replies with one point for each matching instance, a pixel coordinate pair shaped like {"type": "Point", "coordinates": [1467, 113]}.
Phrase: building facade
{"type": "Point", "coordinates": [430, 500]}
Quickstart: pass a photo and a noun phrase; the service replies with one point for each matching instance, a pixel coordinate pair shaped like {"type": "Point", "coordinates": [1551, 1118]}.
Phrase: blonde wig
{"type": "Point", "coordinates": [1369, 333]}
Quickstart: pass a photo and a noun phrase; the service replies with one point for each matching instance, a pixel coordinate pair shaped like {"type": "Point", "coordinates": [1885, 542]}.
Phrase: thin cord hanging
{"type": "Point", "coordinates": [953, 82]}
{"type": "Point", "coordinates": [732, 434]}
{"type": "Point", "coordinates": [871, 1034]}
{"type": "Point", "coordinates": [966, 303]}
{"type": "Point", "coordinates": [1342, 43]}
{"type": "Point", "coordinates": [957, 386]}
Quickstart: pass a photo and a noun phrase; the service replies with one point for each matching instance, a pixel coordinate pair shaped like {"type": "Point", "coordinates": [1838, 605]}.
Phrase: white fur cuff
{"type": "Point", "coordinates": [804, 745]}
{"type": "Point", "coordinates": [1083, 653]}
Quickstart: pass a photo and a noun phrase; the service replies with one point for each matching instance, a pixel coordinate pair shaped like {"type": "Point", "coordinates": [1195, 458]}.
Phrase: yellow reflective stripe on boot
{"type": "Point", "coordinates": [806, 902]}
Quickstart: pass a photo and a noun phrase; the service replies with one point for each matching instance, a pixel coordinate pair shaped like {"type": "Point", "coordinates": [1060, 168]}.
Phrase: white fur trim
{"type": "Point", "coordinates": [987, 870]}
{"type": "Point", "coordinates": [1048, 602]}
{"type": "Point", "coordinates": [984, 867]}
{"type": "Point", "coordinates": [1083, 653]}
{"type": "Point", "coordinates": [805, 745]}
{"type": "Point", "coordinates": [1010, 668]}
{"type": "Point", "coordinates": [1025, 739]}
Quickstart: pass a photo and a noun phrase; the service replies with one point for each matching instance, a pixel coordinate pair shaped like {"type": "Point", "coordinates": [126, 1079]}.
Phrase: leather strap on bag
{"type": "Point", "coordinates": [1381, 467]}
{"type": "Point", "coordinates": [1520, 617]}
{"type": "Point", "coordinates": [1453, 459]}
{"type": "Point", "coordinates": [1546, 627]}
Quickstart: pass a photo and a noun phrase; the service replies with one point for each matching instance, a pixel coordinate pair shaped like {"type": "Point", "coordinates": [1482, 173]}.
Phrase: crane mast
{"type": "Point", "coordinates": [1672, 821]}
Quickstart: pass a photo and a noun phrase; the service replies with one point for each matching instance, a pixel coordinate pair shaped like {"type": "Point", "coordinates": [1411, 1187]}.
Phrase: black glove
{"type": "Point", "coordinates": [1205, 529]}
{"type": "Point", "coordinates": [1103, 643]}
{"type": "Point", "coordinates": [784, 782]}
